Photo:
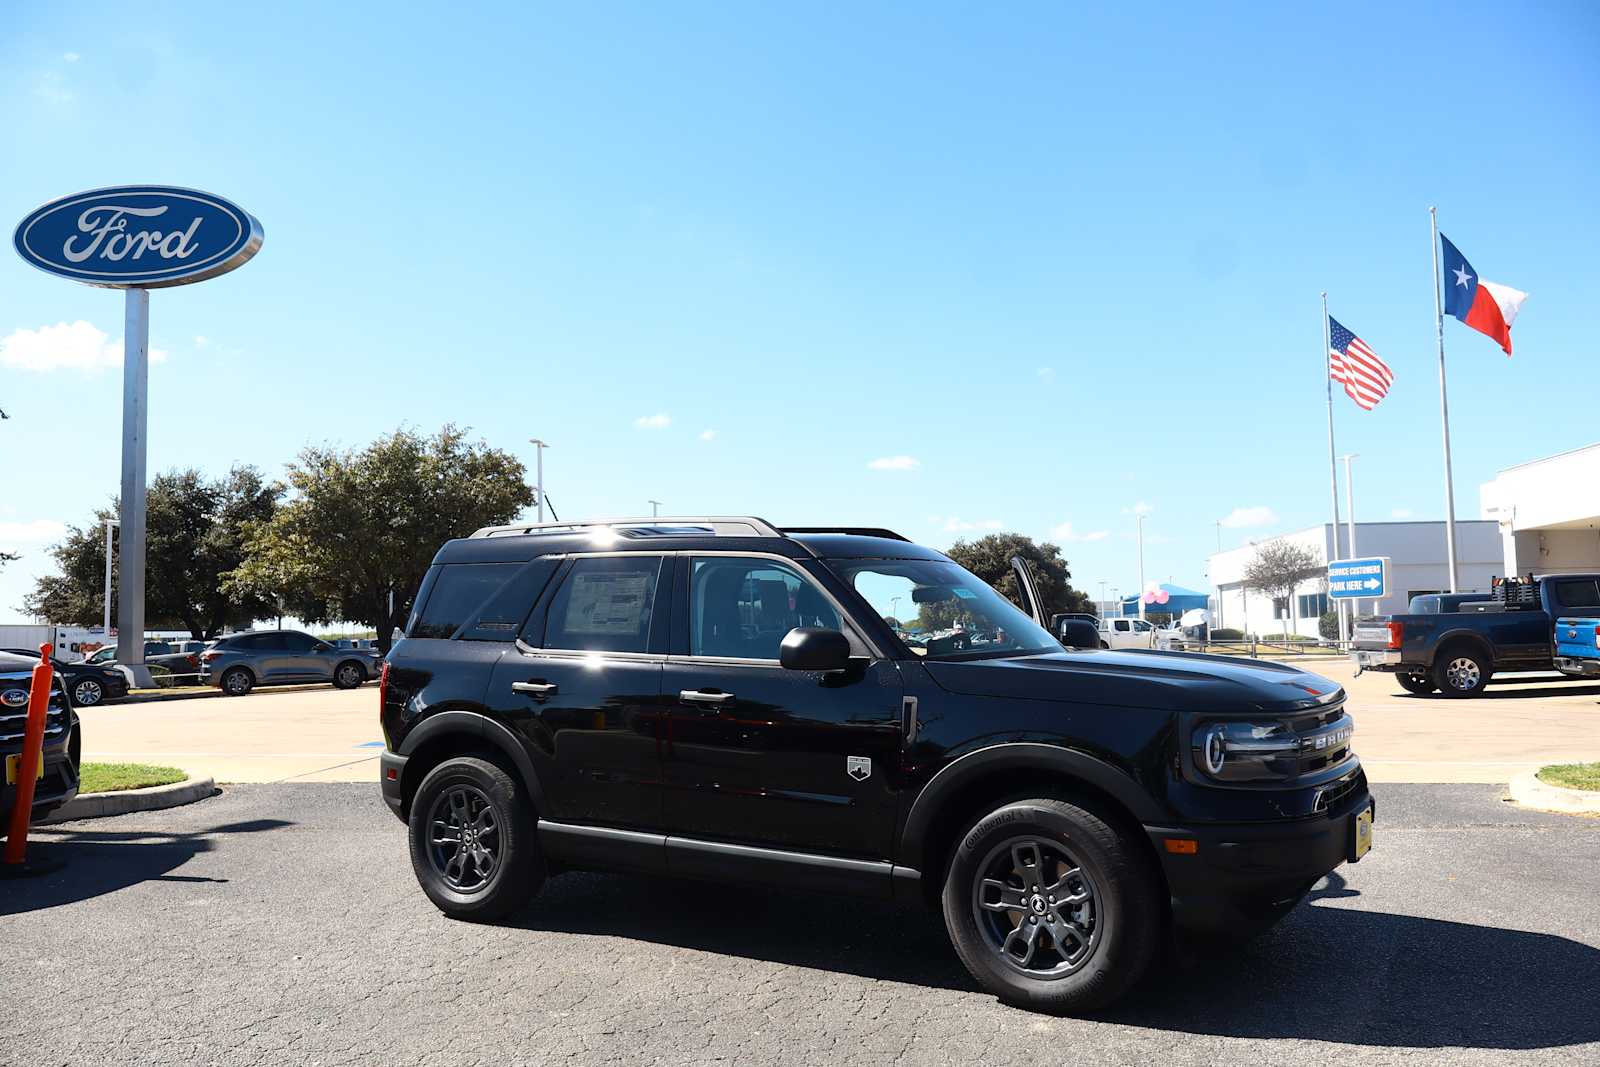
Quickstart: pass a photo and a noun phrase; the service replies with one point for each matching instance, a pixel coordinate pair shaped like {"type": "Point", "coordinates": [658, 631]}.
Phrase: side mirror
{"type": "Point", "coordinates": [1078, 633]}
{"type": "Point", "coordinates": [813, 648]}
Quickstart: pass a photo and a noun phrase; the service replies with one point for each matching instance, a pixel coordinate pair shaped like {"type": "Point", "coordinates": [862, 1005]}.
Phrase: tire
{"type": "Point", "coordinates": [489, 797]}
{"type": "Point", "coordinates": [236, 682]}
{"type": "Point", "coordinates": [87, 693]}
{"type": "Point", "coordinates": [348, 675]}
{"type": "Point", "coordinates": [1420, 683]}
{"type": "Point", "coordinates": [1113, 923]}
{"type": "Point", "coordinates": [1104, 645]}
{"type": "Point", "coordinates": [1461, 672]}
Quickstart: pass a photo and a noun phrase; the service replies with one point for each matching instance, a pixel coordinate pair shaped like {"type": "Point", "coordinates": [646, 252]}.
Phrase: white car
{"type": "Point", "coordinates": [1127, 633]}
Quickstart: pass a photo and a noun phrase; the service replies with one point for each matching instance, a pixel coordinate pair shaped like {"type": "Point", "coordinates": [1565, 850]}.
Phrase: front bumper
{"type": "Point", "coordinates": [1248, 875]}
{"type": "Point", "coordinates": [1578, 668]}
{"type": "Point", "coordinates": [59, 784]}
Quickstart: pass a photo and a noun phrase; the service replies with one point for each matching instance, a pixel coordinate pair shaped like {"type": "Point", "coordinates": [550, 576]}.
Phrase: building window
{"type": "Point", "coordinates": [1313, 605]}
{"type": "Point", "coordinates": [1280, 607]}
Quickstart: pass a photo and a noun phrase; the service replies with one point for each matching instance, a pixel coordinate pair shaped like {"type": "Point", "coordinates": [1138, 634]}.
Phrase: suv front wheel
{"type": "Point", "coordinates": [474, 843]}
{"type": "Point", "coordinates": [1051, 907]}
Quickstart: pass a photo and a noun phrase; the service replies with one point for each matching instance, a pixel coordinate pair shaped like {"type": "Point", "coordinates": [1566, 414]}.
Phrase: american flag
{"type": "Point", "coordinates": [1366, 378]}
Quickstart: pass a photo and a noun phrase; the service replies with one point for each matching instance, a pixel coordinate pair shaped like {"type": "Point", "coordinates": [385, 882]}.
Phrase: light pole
{"type": "Point", "coordinates": [1102, 611]}
{"type": "Point", "coordinates": [1350, 522]}
{"type": "Point", "coordinates": [538, 462]}
{"type": "Point", "coordinates": [655, 508]}
{"type": "Point", "coordinates": [1141, 564]}
{"type": "Point", "coordinates": [105, 630]}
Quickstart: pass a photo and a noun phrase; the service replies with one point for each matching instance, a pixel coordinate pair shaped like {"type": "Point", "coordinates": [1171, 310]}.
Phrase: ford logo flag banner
{"type": "Point", "coordinates": [139, 236]}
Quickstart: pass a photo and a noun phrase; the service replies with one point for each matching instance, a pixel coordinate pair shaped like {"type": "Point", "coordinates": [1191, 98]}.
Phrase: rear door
{"type": "Point", "coordinates": [582, 689]}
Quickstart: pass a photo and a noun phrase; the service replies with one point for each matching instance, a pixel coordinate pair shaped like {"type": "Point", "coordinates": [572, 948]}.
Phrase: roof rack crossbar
{"type": "Point", "coordinates": [856, 531]}
{"type": "Point", "coordinates": [720, 525]}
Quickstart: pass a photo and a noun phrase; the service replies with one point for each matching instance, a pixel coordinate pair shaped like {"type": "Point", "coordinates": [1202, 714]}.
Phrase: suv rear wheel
{"type": "Point", "coordinates": [237, 681]}
{"type": "Point", "coordinates": [474, 844]}
{"type": "Point", "coordinates": [348, 675]}
{"type": "Point", "coordinates": [1051, 907]}
{"type": "Point", "coordinates": [1461, 672]}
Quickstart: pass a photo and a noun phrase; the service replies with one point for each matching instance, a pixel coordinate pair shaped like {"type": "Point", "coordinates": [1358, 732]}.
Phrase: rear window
{"type": "Point", "coordinates": [458, 591]}
{"type": "Point", "coordinates": [1578, 593]}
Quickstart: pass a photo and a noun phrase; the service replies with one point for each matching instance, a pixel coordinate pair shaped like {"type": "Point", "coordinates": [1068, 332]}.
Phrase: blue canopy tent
{"type": "Point", "coordinates": [1179, 600]}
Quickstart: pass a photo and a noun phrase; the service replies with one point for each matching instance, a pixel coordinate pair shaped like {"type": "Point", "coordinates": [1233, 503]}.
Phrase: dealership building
{"type": "Point", "coordinates": [1417, 564]}
{"type": "Point", "coordinates": [1547, 513]}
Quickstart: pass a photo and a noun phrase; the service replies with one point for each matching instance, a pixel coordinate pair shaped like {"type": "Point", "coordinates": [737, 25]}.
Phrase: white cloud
{"type": "Point", "coordinates": [1065, 532]}
{"type": "Point", "coordinates": [32, 532]}
{"type": "Point", "coordinates": [954, 524]}
{"type": "Point", "coordinates": [653, 422]}
{"type": "Point", "coordinates": [201, 340]}
{"type": "Point", "coordinates": [52, 88]}
{"type": "Point", "coordinates": [708, 435]}
{"type": "Point", "coordinates": [79, 345]}
{"type": "Point", "coordinates": [895, 463]}
{"type": "Point", "coordinates": [71, 57]}
{"type": "Point", "coordinates": [1400, 513]}
{"type": "Point", "coordinates": [1047, 375]}
{"type": "Point", "coordinates": [1246, 518]}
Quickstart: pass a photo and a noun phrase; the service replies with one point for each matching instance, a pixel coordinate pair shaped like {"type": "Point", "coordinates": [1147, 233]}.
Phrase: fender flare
{"type": "Point", "coordinates": [1464, 637]}
{"type": "Point", "coordinates": [1069, 763]}
{"type": "Point", "coordinates": [496, 734]}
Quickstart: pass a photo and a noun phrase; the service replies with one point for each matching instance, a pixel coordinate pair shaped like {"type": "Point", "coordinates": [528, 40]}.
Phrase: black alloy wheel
{"type": "Point", "coordinates": [1036, 907]}
{"type": "Point", "coordinates": [464, 838]}
{"type": "Point", "coordinates": [474, 843]}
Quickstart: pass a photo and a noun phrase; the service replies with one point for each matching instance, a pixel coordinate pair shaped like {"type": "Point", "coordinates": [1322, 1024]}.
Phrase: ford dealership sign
{"type": "Point", "coordinates": [138, 236]}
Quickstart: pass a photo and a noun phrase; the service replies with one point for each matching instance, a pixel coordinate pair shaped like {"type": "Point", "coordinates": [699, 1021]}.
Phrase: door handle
{"type": "Point", "coordinates": [698, 696]}
{"type": "Point", "coordinates": [538, 689]}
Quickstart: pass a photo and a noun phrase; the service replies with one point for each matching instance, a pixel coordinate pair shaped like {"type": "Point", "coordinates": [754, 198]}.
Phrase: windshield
{"type": "Point", "coordinates": [942, 610]}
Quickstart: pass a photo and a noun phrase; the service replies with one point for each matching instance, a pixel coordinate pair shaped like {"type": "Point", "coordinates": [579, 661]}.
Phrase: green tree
{"type": "Point", "coordinates": [362, 525]}
{"type": "Point", "coordinates": [989, 557]}
{"type": "Point", "coordinates": [1278, 568]}
{"type": "Point", "coordinates": [194, 531]}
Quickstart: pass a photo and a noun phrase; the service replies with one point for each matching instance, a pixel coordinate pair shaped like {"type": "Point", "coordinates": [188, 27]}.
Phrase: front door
{"type": "Point", "coordinates": [758, 754]}
{"type": "Point", "coordinates": [301, 660]}
{"type": "Point", "coordinates": [583, 689]}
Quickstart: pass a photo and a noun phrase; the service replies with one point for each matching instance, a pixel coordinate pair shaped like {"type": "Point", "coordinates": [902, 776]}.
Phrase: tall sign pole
{"type": "Point", "coordinates": [1333, 464]}
{"type": "Point", "coordinates": [1444, 408]}
{"type": "Point", "coordinates": [135, 435]}
{"type": "Point", "coordinates": [136, 238]}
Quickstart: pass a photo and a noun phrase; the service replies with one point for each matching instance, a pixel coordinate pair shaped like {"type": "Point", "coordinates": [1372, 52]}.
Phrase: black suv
{"type": "Point", "coordinates": [843, 710]}
{"type": "Point", "coordinates": [59, 781]}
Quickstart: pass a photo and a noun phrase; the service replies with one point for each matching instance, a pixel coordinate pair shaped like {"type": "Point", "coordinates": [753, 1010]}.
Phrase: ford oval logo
{"type": "Point", "coordinates": [138, 236]}
{"type": "Point", "coordinates": [14, 698]}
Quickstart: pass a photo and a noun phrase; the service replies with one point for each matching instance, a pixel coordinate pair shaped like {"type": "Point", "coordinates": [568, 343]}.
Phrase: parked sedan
{"type": "Point", "coordinates": [87, 683]}
{"type": "Point", "coordinates": [238, 663]}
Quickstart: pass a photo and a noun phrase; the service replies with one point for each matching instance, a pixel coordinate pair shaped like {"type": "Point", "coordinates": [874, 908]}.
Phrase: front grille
{"type": "Point", "coordinates": [14, 721]}
{"type": "Point", "coordinates": [1336, 794]}
{"type": "Point", "coordinates": [1325, 738]}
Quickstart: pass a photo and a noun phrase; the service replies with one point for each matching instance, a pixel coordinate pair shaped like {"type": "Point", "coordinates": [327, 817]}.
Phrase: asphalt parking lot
{"type": "Point", "coordinates": [280, 924]}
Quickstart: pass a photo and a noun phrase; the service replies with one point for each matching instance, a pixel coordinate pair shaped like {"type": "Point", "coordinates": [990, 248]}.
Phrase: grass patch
{"type": "Point", "coordinates": [1572, 775]}
{"type": "Point", "coordinates": [113, 777]}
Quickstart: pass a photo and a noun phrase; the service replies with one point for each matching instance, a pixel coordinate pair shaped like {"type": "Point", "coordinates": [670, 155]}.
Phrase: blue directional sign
{"type": "Point", "coordinates": [138, 236]}
{"type": "Point", "coordinates": [1365, 579]}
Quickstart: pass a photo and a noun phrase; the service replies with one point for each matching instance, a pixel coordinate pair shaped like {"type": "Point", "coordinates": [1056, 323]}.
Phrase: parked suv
{"type": "Point", "coordinates": [721, 699]}
{"type": "Point", "coordinates": [58, 783]}
{"type": "Point", "coordinates": [240, 662]}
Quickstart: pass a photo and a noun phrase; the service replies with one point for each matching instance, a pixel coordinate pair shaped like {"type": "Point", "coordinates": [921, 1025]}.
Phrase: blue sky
{"type": "Point", "coordinates": [727, 256]}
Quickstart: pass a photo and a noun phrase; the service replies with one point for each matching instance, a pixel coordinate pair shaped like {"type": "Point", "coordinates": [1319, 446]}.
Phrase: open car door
{"type": "Point", "coordinates": [1027, 589]}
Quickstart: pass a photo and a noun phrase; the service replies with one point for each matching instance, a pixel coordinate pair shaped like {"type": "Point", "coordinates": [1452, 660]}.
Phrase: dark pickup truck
{"type": "Point", "coordinates": [1457, 650]}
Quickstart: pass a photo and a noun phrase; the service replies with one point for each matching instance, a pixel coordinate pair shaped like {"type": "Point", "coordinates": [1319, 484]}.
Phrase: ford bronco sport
{"type": "Point", "coordinates": [717, 698]}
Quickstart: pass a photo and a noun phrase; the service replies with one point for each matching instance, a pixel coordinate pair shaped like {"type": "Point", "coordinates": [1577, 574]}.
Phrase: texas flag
{"type": "Point", "coordinates": [1487, 307]}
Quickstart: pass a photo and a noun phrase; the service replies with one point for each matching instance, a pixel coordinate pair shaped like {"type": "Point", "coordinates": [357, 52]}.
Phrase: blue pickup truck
{"type": "Point", "coordinates": [1578, 647]}
{"type": "Point", "coordinates": [1457, 648]}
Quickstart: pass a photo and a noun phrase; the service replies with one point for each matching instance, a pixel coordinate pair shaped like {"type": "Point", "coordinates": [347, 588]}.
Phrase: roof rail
{"type": "Point", "coordinates": [653, 526]}
{"type": "Point", "coordinates": [857, 531]}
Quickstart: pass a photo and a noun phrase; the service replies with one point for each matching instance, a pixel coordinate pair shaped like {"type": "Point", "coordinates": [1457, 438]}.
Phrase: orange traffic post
{"type": "Point", "coordinates": [31, 759]}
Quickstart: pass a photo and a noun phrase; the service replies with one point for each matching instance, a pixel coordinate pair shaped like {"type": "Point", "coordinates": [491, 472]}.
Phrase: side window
{"type": "Point", "coordinates": [741, 608]}
{"type": "Point", "coordinates": [458, 591]}
{"type": "Point", "coordinates": [605, 605]}
{"type": "Point", "coordinates": [299, 642]}
{"type": "Point", "coordinates": [504, 613]}
{"type": "Point", "coordinates": [1122, 626]}
{"type": "Point", "coordinates": [273, 642]}
{"type": "Point", "coordinates": [1578, 593]}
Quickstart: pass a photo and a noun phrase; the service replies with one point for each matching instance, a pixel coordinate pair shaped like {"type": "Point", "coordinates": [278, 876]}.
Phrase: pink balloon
{"type": "Point", "coordinates": [1162, 596]}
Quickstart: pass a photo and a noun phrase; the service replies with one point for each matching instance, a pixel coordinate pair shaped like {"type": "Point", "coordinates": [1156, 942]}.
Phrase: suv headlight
{"type": "Point", "coordinates": [1246, 751]}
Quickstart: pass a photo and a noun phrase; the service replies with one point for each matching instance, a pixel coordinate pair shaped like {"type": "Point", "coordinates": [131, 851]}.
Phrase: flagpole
{"type": "Point", "coordinates": [1444, 407]}
{"type": "Point", "coordinates": [1333, 466]}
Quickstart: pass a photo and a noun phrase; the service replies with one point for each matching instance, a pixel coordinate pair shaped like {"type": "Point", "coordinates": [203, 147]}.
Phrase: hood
{"type": "Point", "coordinates": [1176, 681]}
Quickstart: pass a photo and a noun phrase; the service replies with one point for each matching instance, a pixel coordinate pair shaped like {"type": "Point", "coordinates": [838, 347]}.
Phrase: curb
{"type": "Point", "coordinates": [1527, 790]}
{"type": "Point", "coordinates": [122, 802]}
